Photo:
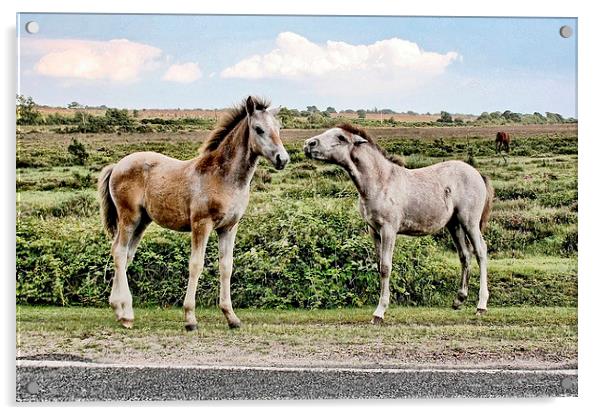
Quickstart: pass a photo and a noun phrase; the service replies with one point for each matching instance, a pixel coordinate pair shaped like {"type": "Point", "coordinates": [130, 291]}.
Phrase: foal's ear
{"type": "Point", "coordinates": [356, 139]}
{"type": "Point", "coordinates": [250, 105]}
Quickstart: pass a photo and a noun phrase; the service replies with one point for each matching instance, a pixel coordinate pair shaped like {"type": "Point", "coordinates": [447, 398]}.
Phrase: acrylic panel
{"type": "Point", "coordinates": [295, 207]}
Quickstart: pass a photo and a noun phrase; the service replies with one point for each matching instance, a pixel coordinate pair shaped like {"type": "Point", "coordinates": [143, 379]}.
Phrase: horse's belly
{"type": "Point", "coordinates": [168, 208]}
{"type": "Point", "coordinates": [425, 221]}
{"type": "Point", "coordinates": [169, 216]}
{"type": "Point", "coordinates": [421, 228]}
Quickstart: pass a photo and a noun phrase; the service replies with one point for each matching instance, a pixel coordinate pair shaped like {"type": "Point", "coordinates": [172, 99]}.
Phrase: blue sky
{"type": "Point", "coordinates": [464, 65]}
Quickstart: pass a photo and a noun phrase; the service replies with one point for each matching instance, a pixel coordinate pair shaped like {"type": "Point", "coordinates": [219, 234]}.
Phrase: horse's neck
{"type": "Point", "coordinates": [370, 170]}
{"type": "Point", "coordinates": [241, 167]}
{"type": "Point", "coordinates": [234, 159]}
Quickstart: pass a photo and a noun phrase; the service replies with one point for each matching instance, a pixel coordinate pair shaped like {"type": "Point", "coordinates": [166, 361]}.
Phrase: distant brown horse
{"type": "Point", "coordinates": [502, 142]}
{"type": "Point", "coordinates": [209, 192]}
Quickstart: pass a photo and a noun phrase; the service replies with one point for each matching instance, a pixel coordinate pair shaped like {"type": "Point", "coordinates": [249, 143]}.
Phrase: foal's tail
{"type": "Point", "coordinates": [108, 211]}
{"type": "Point", "coordinates": [488, 204]}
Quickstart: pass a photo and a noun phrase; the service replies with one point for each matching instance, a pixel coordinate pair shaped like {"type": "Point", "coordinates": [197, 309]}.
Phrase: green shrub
{"type": "Point", "coordinates": [78, 151]}
{"type": "Point", "coordinates": [279, 262]}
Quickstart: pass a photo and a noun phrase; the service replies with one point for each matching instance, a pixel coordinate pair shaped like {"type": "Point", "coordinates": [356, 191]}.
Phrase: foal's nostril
{"type": "Point", "coordinates": [280, 163]}
{"type": "Point", "coordinates": [313, 143]}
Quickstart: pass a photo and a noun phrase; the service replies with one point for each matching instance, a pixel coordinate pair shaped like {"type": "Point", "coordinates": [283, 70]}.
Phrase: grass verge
{"type": "Point", "coordinates": [517, 337]}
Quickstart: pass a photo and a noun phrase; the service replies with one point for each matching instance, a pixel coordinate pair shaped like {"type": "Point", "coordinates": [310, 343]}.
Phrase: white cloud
{"type": "Point", "coordinates": [297, 58]}
{"type": "Point", "coordinates": [183, 73]}
{"type": "Point", "coordinates": [114, 60]}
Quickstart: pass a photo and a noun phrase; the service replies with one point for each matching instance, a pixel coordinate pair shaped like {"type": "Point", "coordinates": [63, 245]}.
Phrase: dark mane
{"type": "Point", "coordinates": [362, 133]}
{"type": "Point", "coordinates": [228, 122]}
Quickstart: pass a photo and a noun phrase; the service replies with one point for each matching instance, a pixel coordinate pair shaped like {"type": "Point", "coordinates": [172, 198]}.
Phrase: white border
{"type": "Point", "coordinates": [590, 153]}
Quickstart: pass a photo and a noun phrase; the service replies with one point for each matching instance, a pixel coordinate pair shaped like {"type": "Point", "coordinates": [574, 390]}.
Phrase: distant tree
{"type": "Point", "coordinates": [458, 120]}
{"type": "Point", "coordinates": [361, 113]}
{"type": "Point", "coordinates": [286, 116]}
{"type": "Point", "coordinates": [485, 117]}
{"type": "Point", "coordinates": [325, 114]}
{"type": "Point", "coordinates": [78, 151]}
{"type": "Point", "coordinates": [116, 116]}
{"type": "Point", "coordinates": [511, 116]}
{"type": "Point", "coordinates": [27, 113]}
{"type": "Point", "coordinates": [445, 117]}
{"type": "Point", "coordinates": [312, 108]}
{"type": "Point", "coordinates": [410, 112]}
{"type": "Point", "coordinates": [538, 115]}
{"type": "Point", "coordinates": [330, 110]}
{"type": "Point", "coordinates": [516, 117]}
{"type": "Point", "coordinates": [554, 117]}
{"type": "Point", "coordinates": [315, 118]}
{"type": "Point", "coordinates": [135, 113]}
{"type": "Point", "coordinates": [74, 104]}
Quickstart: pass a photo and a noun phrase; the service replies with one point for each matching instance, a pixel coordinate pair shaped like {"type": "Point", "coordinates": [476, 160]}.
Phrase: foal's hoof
{"type": "Point", "coordinates": [457, 304]}
{"type": "Point", "coordinates": [481, 311]}
{"type": "Point", "coordinates": [377, 321]}
{"type": "Point", "coordinates": [127, 323]}
{"type": "Point", "coordinates": [234, 324]}
{"type": "Point", "coordinates": [191, 327]}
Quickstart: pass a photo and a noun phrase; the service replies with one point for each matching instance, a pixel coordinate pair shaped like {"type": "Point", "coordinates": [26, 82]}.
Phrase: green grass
{"type": "Point", "coordinates": [417, 335]}
{"type": "Point", "coordinates": [279, 260]}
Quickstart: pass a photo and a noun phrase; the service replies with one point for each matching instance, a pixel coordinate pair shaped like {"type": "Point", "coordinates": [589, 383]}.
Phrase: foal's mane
{"type": "Point", "coordinates": [362, 133]}
{"type": "Point", "coordinates": [228, 123]}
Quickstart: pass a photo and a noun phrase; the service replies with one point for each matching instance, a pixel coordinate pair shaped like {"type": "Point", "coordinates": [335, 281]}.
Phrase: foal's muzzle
{"type": "Point", "coordinates": [309, 144]}
{"type": "Point", "coordinates": [281, 160]}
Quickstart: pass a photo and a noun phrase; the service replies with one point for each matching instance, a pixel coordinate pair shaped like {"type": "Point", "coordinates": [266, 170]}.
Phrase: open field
{"type": "Point", "coordinates": [526, 337]}
{"type": "Point", "coordinates": [63, 256]}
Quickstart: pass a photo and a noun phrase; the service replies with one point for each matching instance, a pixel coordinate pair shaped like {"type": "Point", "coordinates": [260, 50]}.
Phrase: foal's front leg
{"type": "Point", "coordinates": [226, 250]}
{"type": "Point", "coordinates": [387, 244]}
{"type": "Point", "coordinates": [200, 236]}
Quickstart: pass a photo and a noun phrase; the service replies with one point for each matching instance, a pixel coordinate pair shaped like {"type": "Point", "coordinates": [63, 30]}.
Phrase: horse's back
{"type": "Point", "coordinates": [147, 160]}
{"type": "Point", "coordinates": [460, 181]}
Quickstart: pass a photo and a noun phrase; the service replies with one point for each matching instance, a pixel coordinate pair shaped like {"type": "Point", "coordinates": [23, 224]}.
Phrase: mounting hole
{"type": "Point", "coordinates": [566, 31]}
{"type": "Point", "coordinates": [32, 27]}
{"type": "Point", "coordinates": [32, 387]}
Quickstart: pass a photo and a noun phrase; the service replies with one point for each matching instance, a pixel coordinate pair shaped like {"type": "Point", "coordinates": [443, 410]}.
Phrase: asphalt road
{"type": "Point", "coordinates": [39, 381]}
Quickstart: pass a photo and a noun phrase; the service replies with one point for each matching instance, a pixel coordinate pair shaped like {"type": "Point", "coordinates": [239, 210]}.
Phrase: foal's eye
{"type": "Point", "coordinates": [259, 130]}
{"type": "Point", "coordinates": [342, 138]}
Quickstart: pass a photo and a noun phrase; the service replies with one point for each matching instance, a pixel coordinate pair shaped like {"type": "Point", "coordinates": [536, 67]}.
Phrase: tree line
{"type": "Point", "coordinates": [120, 120]}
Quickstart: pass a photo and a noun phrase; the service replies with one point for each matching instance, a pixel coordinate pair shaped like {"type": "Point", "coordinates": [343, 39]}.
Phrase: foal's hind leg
{"type": "Point", "coordinates": [376, 239]}
{"type": "Point", "coordinates": [121, 298]}
{"type": "Point", "coordinates": [480, 247]}
{"type": "Point", "coordinates": [200, 236]}
{"type": "Point", "coordinates": [459, 238]}
{"type": "Point", "coordinates": [136, 237]}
